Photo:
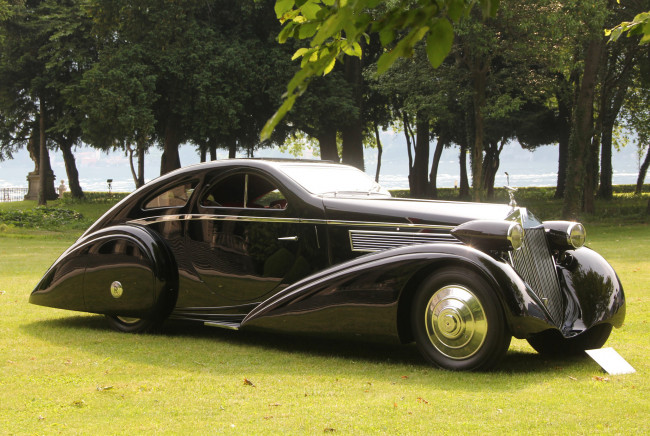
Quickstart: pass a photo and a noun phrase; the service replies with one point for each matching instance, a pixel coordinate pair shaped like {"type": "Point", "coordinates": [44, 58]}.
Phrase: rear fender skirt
{"type": "Point", "coordinates": [362, 295]}
{"type": "Point", "coordinates": [123, 270]}
{"type": "Point", "coordinates": [594, 290]}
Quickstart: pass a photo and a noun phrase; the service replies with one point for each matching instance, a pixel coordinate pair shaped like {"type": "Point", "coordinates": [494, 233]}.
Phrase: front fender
{"type": "Point", "coordinates": [362, 296]}
{"type": "Point", "coordinates": [82, 277]}
{"type": "Point", "coordinates": [594, 290]}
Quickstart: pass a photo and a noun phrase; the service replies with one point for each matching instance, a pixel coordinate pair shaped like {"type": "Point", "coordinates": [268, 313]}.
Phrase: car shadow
{"type": "Point", "coordinates": [210, 339]}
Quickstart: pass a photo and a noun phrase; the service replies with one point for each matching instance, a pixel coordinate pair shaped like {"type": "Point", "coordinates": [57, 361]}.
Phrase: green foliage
{"type": "Point", "coordinates": [335, 29]}
{"type": "Point", "coordinates": [92, 198]}
{"type": "Point", "coordinates": [640, 25]}
{"type": "Point", "coordinates": [41, 217]}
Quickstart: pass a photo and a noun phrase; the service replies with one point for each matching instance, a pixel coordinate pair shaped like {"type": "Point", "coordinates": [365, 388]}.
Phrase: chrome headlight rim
{"type": "Point", "coordinates": [576, 235]}
{"type": "Point", "coordinates": [516, 235]}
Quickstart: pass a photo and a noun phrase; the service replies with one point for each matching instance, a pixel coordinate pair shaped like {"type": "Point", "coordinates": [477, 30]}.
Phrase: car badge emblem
{"type": "Point", "coordinates": [116, 289]}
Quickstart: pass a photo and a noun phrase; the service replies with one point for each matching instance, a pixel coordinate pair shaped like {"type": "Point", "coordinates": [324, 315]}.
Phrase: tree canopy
{"type": "Point", "coordinates": [218, 74]}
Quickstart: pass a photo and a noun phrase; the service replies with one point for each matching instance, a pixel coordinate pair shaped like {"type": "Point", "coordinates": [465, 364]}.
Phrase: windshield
{"type": "Point", "coordinates": [334, 179]}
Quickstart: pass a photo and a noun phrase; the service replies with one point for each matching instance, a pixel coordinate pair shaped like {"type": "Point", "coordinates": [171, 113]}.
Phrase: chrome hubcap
{"type": "Point", "coordinates": [455, 322]}
{"type": "Point", "coordinates": [127, 320]}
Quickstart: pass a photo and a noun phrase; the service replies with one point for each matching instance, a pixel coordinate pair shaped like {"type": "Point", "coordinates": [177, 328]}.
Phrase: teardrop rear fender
{"type": "Point", "coordinates": [72, 281]}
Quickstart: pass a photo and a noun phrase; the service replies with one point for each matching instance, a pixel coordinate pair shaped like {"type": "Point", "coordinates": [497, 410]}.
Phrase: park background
{"type": "Point", "coordinates": [526, 168]}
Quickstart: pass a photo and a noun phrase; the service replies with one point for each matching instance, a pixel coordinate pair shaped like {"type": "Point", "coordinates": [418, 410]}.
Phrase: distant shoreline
{"type": "Point", "coordinates": [526, 168]}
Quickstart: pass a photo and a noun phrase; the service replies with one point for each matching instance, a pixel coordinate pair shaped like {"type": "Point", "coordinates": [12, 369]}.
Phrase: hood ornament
{"type": "Point", "coordinates": [511, 192]}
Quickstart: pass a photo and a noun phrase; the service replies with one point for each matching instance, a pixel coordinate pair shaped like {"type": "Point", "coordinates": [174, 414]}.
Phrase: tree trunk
{"type": "Point", "coordinates": [491, 166]}
{"type": "Point", "coordinates": [479, 78]}
{"type": "Point", "coordinates": [642, 173]}
{"type": "Point", "coordinates": [589, 193]}
{"type": "Point", "coordinates": [564, 96]}
{"type": "Point", "coordinates": [134, 174]}
{"type": "Point", "coordinates": [327, 144]}
{"type": "Point", "coordinates": [614, 89]}
{"type": "Point", "coordinates": [71, 171]}
{"type": "Point", "coordinates": [409, 145]}
{"type": "Point", "coordinates": [464, 182]}
{"type": "Point", "coordinates": [203, 153]}
{"type": "Point", "coordinates": [141, 153]}
{"type": "Point", "coordinates": [213, 149]}
{"type": "Point", "coordinates": [433, 175]}
{"type": "Point", "coordinates": [352, 133]}
{"type": "Point", "coordinates": [421, 162]}
{"type": "Point", "coordinates": [606, 172]}
{"type": "Point", "coordinates": [581, 135]}
{"type": "Point", "coordinates": [43, 157]}
{"type": "Point", "coordinates": [232, 149]}
{"type": "Point", "coordinates": [170, 159]}
{"type": "Point", "coordinates": [380, 151]}
{"type": "Point", "coordinates": [353, 147]}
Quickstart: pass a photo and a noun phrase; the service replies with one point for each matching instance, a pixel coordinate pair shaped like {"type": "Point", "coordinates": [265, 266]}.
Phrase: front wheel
{"type": "Point", "coordinates": [457, 321]}
{"type": "Point", "coordinates": [552, 343]}
{"type": "Point", "coordinates": [132, 325]}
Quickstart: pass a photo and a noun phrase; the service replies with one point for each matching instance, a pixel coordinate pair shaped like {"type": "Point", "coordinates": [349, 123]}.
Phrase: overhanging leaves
{"type": "Point", "coordinates": [342, 26]}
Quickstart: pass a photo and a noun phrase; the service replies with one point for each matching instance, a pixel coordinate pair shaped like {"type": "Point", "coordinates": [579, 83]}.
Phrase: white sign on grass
{"type": "Point", "coordinates": [610, 361]}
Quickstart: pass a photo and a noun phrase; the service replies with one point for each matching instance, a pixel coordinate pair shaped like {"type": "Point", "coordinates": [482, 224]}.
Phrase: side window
{"type": "Point", "coordinates": [244, 191]}
{"type": "Point", "coordinates": [174, 197]}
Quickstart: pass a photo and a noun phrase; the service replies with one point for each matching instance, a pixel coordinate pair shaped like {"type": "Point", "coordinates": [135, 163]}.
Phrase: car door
{"type": "Point", "coordinates": [248, 240]}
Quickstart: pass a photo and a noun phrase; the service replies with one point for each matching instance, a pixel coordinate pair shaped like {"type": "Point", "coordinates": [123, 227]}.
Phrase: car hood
{"type": "Point", "coordinates": [411, 211]}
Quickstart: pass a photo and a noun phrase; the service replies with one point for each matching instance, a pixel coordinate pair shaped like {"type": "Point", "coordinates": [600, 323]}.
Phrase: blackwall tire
{"type": "Point", "coordinates": [552, 343]}
{"type": "Point", "coordinates": [133, 325]}
{"type": "Point", "coordinates": [458, 322]}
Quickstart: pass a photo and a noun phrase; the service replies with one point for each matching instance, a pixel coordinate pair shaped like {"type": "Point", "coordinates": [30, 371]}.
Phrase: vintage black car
{"type": "Point", "coordinates": [320, 248]}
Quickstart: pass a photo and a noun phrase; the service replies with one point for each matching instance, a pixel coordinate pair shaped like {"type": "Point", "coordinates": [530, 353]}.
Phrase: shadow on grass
{"type": "Point", "coordinates": [194, 347]}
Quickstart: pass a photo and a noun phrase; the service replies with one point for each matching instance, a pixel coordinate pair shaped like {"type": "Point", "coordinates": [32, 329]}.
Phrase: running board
{"type": "Point", "coordinates": [223, 325]}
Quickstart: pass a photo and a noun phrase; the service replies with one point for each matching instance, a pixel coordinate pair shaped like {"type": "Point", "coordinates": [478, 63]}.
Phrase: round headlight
{"type": "Point", "coordinates": [576, 235]}
{"type": "Point", "coordinates": [516, 235]}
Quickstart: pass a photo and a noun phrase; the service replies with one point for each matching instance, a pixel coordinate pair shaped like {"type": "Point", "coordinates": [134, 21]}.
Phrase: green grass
{"type": "Point", "coordinates": [66, 372]}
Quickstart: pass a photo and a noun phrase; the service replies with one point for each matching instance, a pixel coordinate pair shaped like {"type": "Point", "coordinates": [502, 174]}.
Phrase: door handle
{"type": "Point", "coordinates": [288, 238]}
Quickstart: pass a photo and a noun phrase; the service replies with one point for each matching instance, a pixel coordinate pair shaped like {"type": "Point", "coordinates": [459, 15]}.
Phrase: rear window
{"type": "Point", "coordinates": [178, 196]}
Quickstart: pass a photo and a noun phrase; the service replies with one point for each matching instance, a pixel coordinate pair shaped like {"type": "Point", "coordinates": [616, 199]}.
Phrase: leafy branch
{"type": "Point", "coordinates": [336, 28]}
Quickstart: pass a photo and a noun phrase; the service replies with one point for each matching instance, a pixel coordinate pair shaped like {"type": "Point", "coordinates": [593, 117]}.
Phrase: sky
{"type": "Point", "coordinates": [538, 168]}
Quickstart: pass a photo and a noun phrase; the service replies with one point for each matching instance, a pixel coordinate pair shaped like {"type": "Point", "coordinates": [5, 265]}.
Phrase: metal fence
{"type": "Point", "coordinates": [12, 194]}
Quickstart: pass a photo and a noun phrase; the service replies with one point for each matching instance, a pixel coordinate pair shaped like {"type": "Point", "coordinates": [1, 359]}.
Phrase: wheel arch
{"type": "Point", "coordinates": [406, 298]}
{"type": "Point", "coordinates": [164, 267]}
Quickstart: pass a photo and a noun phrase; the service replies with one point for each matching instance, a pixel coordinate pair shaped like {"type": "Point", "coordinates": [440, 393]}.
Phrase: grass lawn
{"type": "Point", "coordinates": [66, 372]}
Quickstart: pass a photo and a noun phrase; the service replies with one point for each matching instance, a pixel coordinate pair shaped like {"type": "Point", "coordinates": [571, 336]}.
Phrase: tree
{"type": "Point", "coordinates": [325, 106]}
{"type": "Point", "coordinates": [169, 41]}
{"type": "Point", "coordinates": [336, 29]}
{"type": "Point", "coordinates": [639, 26]}
{"type": "Point", "coordinates": [24, 79]}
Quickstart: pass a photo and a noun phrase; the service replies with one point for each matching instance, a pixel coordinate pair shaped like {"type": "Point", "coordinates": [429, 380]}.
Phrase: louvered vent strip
{"type": "Point", "coordinates": [362, 240]}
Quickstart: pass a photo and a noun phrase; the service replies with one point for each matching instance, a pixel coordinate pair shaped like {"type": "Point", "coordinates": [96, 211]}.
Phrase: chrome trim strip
{"type": "Point", "coordinates": [205, 217]}
{"type": "Point", "coordinates": [223, 325]}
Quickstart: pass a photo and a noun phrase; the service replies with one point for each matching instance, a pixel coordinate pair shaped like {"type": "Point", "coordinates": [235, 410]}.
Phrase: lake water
{"type": "Point", "coordinates": [538, 168]}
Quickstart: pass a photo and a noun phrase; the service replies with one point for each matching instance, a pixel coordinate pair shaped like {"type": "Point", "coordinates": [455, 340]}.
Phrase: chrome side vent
{"type": "Point", "coordinates": [534, 264]}
{"type": "Point", "coordinates": [368, 240]}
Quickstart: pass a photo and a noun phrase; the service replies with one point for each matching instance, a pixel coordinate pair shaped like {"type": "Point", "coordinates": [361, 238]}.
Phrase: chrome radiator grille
{"type": "Point", "coordinates": [534, 264]}
{"type": "Point", "coordinates": [362, 240]}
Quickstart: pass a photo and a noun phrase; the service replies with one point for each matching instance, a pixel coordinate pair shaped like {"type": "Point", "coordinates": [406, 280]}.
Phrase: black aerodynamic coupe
{"type": "Point", "coordinates": [320, 248]}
